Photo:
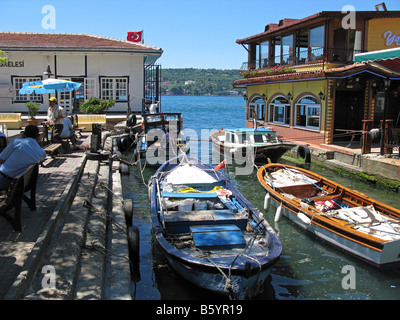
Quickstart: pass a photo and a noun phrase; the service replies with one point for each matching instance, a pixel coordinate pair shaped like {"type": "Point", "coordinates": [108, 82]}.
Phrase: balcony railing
{"type": "Point", "coordinates": [304, 56]}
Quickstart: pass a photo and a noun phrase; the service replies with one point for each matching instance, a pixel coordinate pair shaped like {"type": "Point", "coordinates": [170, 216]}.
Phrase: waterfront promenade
{"type": "Point", "coordinates": [64, 234]}
{"type": "Point", "coordinates": [54, 177]}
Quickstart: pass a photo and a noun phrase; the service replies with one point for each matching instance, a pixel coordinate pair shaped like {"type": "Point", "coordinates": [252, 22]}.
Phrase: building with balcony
{"type": "Point", "coordinates": [108, 68]}
{"type": "Point", "coordinates": [301, 78]}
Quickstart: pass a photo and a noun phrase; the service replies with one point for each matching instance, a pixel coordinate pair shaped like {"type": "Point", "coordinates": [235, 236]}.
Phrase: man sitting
{"type": "Point", "coordinates": [65, 131]}
{"type": "Point", "coordinates": [19, 154]}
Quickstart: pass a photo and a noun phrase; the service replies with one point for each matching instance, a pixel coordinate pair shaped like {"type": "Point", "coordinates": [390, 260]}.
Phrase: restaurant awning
{"type": "Point", "coordinates": [377, 55]}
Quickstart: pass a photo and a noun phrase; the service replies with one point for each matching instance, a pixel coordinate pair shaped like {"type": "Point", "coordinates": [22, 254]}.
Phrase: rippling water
{"type": "Point", "coordinates": [307, 269]}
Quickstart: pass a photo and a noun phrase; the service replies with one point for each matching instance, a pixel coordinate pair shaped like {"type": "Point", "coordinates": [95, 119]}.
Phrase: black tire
{"type": "Point", "coordinates": [134, 243]}
{"type": "Point", "coordinates": [128, 209]}
{"type": "Point", "coordinates": [304, 152]}
{"type": "Point", "coordinates": [124, 145]}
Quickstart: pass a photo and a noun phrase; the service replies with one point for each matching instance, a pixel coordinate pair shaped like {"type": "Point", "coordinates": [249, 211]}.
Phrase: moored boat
{"type": "Point", "coordinates": [159, 139]}
{"type": "Point", "coordinates": [345, 218]}
{"type": "Point", "coordinates": [240, 144]}
{"type": "Point", "coordinates": [209, 233]}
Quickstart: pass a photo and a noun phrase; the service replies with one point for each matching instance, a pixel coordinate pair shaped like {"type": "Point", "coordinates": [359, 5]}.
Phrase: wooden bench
{"type": "Point", "coordinates": [53, 149]}
{"type": "Point", "coordinates": [20, 185]}
{"type": "Point", "coordinates": [84, 122]}
{"type": "Point", "coordinates": [12, 120]}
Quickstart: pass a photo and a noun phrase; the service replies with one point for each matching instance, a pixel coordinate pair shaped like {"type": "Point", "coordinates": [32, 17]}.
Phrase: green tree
{"type": "Point", "coordinates": [2, 59]}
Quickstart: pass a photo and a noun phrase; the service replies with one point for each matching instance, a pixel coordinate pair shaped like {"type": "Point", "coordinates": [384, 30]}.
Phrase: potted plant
{"type": "Point", "coordinates": [33, 109]}
{"type": "Point", "coordinates": [96, 106]}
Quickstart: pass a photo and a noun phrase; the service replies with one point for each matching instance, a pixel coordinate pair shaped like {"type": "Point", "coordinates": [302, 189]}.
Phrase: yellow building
{"type": "Point", "coordinates": [301, 79]}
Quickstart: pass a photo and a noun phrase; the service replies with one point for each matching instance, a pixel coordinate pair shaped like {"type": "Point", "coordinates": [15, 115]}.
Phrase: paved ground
{"type": "Point", "coordinates": [54, 176]}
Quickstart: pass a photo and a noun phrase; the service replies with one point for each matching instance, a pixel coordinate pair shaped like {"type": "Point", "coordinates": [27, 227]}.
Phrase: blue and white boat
{"type": "Point", "coordinates": [261, 144]}
{"type": "Point", "coordinates": [210, 234]}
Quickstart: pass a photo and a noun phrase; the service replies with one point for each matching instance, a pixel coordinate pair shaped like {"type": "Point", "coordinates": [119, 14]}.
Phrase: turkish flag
{"type": "Point", "coordinates": [135, 36]}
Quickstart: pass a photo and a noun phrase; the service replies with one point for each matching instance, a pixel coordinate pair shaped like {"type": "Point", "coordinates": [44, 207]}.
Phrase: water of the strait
{"type": "Point", "coordinates": [307, 269]}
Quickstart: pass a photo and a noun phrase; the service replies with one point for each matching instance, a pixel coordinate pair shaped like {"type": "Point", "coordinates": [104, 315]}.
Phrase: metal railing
{"type": "Point", "coordinates": [303, 56]}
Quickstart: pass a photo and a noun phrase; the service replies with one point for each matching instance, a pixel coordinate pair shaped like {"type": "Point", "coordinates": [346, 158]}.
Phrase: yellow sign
{"type": "Point", "coordinates": [383, 33]}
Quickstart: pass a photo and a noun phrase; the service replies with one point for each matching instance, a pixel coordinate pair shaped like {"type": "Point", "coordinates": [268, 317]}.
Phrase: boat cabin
{"type": "Point", "coordinates": [250, 136]}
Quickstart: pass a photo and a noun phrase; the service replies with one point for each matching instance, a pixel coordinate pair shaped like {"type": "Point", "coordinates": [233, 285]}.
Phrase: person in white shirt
{"type": "Point", "coordinates": [68, 132]}
{"type": "Point", "coordinates": [55, 113]}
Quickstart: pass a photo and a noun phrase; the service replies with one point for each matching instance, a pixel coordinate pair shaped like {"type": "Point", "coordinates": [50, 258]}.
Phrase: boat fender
{"type": "Point", "coordinates": [304, 152]}
{"type": "Point", "coordinates": [304, 218]}
{"type": "Point", "coordinates": [124, 169]}
{"type": "Point", "coordinates": [267, 201]}
{"type": "Point", "coordinates": [131, 121]}
{"type": "Point", "coordinates": [278, 213]}
{"type": "Point", "coordinates": [124, 144]}
{"type": "Point", "coordinates": [133, 243]}
{"type": "Point", "coordinates": [304, 205]}
{"type": "Point", "coordinates": [128, 209]}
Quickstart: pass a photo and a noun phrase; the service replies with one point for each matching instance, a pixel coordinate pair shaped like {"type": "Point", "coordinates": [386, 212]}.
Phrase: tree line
{"type": "Point", "coordinates": [199, 82]}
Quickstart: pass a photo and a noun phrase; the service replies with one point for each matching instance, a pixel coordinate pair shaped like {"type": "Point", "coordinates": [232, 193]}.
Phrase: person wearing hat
{"type": "Point", "coordinates": [19, 154]}
{"type": "Point", "coordinates": [55, 113]}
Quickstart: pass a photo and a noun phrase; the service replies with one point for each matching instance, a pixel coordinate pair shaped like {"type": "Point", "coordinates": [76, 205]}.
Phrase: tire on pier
{"type": "Point", "coordinates": [304, 152]}
{"type": "Point", "coordinates": [133, 243]}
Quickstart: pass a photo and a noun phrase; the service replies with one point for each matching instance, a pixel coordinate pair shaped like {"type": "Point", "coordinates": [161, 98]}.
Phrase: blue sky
{"type": "Point", "coordinates": [192, 33]}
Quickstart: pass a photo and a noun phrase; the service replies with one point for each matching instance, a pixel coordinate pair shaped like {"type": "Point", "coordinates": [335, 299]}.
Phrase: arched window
{"type": "Point", "coordinates": [256, 109]}
{"type": "Point", "coordinates": [279, 111]}
{"type": "Point", "coordinates": [308, 113]}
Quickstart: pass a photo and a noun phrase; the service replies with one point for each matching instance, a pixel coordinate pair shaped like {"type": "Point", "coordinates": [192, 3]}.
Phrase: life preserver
{"type": "Point", "coordinates": [304, 152]}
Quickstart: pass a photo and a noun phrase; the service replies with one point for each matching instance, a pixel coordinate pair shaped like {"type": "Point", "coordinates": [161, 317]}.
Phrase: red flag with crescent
{"type": "Point", "coordinates": [135, 36]}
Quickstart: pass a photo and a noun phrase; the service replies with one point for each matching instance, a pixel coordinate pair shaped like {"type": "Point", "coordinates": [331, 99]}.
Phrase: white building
{"type": "Point", "coordinates": [107, 68]}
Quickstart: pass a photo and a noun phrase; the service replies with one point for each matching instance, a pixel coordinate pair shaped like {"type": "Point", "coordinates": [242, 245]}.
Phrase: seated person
{"type": "Point", "coordinates": [65, 132]}
{"type": "Point", "coordinates": [19, 154]}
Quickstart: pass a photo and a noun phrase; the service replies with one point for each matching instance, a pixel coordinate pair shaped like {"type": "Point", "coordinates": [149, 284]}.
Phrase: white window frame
{"type": "Point", "coordinates": [90, 88]}
{"type": "Point", "coordinates": [257, 105]}
{"type": "Point", "coordinates": [114, 90]}
{"type": "Point", "coordinates": [307, 108]}
{"type": "Point", "coordinates": [272, 106]}
{"type": "Point", "coordinates": [17, 85]}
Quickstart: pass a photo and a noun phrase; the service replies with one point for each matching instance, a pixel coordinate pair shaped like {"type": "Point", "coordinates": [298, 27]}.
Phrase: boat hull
{"type": "Point", "coordinates": [234, 271]}
{"type": "Point", "coordinates": [242, 153]}
{"type": "Point", "coordinates": [388, 257]}
{"type": "Point", "coordinates": [242, 287]}
{"type": "Point", "coordinates": [382, 254]}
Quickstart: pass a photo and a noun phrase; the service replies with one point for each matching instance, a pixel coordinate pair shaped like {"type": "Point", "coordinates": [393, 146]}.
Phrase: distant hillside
{"type": "Point", "coordinates": [199, 82]}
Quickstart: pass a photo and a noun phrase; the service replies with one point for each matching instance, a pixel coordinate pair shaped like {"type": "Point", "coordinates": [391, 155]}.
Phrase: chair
{"type": "Point", "coordinates": [3, 143]}
{"type": "Point", "coordinates": [16, 193]}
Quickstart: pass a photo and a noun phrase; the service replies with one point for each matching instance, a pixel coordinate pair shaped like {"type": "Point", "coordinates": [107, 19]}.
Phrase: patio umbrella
{"type": "Point", "coordinates": [48, 86]}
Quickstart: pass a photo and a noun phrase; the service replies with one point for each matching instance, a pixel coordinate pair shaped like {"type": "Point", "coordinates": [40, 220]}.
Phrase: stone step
{"type": "Point", "coordinates": [64, 253]}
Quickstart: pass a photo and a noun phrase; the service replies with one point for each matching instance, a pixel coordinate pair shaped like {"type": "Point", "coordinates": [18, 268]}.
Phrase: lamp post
{"type": "Point", "coordinates": [48, 72]}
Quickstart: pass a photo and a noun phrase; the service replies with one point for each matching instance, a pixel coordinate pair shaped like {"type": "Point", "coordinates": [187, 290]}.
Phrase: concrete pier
{"type": "Point", "coordinates": [70, 248]}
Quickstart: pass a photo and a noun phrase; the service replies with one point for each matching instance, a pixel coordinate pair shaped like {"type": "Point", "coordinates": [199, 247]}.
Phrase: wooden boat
{"type": "Point", "coordinates": [210, 234]}
{"type": "Point", "coordinates": [345, 218]}
{"type": "Point", "coordinates": [152, 146]}
{"type": "Point", "coordinates": [261, 143]}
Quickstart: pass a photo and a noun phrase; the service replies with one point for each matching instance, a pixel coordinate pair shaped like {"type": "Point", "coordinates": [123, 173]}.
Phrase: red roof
{"type": "Point", "coordinates": [66, 41]}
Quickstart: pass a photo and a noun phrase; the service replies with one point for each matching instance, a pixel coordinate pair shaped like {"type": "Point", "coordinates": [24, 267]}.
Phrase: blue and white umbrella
{"type": "Point", "coordinates": [48, 86]}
